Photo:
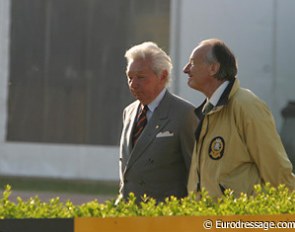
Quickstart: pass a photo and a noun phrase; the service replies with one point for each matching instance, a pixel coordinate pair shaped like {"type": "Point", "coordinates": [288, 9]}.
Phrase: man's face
{"type": "Point", "coordinates": [198, 70]}
{"type": "Point", "coordinates": [143, 82]}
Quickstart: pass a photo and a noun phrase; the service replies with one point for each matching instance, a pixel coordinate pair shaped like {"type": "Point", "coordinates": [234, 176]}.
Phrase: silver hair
{"type": "Point", "coordinates": [160, 61]}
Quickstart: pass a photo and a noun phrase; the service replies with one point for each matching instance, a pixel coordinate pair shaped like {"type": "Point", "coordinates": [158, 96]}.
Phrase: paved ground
{"type": "Point", "coordinates": [77, 199]}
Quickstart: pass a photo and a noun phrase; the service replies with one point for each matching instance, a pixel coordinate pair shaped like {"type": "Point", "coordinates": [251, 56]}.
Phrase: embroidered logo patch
{"type": "Point", "coordinates": [216, 148]}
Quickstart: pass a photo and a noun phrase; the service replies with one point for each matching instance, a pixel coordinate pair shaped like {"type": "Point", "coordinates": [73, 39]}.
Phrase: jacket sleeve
{"type": "Point", "coordinates": [187, 135]}
{"type": "Point", "coordinates": [264, 145]}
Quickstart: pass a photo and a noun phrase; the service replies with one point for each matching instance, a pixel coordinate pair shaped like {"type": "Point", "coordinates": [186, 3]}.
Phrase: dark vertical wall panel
{"type": "Point", "coordinates": [67, 67]}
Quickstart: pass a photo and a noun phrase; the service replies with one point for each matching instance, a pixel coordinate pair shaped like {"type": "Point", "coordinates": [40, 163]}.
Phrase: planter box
{"type": "Point", "coordinates": [284, 222]}
{"type": "Point", "coordinates": [234, 223]}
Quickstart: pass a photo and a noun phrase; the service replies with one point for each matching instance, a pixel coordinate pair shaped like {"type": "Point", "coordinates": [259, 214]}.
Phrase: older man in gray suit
{"type": "Point", "coordinates": [158, 129]}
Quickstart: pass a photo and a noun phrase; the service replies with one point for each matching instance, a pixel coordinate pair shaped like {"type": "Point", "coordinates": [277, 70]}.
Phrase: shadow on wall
{"type": "Point", "coordinates": [288, 131]}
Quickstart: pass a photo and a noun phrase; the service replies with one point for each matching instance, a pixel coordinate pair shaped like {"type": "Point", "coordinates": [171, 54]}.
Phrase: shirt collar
{"type": "Point", "coordinates": [154, 104]}
{"type": "Point", "coordinates": [217, 94]}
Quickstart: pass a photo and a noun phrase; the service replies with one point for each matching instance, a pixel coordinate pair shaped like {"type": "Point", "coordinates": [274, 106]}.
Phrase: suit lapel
{"type": "Point", "coordinates": [154, 126]}
{"type": "Point", "coordinates": [130, 128]}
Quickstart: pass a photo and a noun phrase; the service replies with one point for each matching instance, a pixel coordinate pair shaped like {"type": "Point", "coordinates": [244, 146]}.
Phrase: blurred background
{"type": "Point", "coordinates": [63, 84]}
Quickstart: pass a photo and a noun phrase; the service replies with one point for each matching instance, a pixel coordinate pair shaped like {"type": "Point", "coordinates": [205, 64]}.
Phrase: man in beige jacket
{"type": "Point", "coordinates": [237, 145]}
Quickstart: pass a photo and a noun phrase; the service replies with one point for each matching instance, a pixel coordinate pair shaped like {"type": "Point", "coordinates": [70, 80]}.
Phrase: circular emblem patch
{"type": "Point", "coordinates": [216, 148]}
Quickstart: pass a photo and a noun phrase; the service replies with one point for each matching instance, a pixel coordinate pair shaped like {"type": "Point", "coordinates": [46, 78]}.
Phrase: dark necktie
{"type": "Point", "coordinates": [141, 121]}
{"type": "Point", "coordinates": [208, 107]}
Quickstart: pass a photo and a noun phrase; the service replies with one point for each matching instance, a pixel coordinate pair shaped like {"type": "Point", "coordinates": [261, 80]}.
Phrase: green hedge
{"type": "Point", "coordinates": [266, 200]}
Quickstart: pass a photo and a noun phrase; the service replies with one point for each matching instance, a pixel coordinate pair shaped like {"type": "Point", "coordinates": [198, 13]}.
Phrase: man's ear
{"type": "Point", "coordinates": [164, 75]}
{"type": "Point", "coordinates": [214, 68]}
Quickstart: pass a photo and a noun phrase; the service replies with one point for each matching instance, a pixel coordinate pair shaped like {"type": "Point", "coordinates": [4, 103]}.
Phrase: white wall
{"type": "Point", "coordinates": [285, 72]}
{"type": "Point", "coordinates": [59, 161]}
{"type": "Point", "coordinates": [4, 46]}
{"type": "Point", "coordinates": [260, 33]}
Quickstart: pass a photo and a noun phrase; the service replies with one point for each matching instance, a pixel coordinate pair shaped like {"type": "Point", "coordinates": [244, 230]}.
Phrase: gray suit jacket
{"type": "Point", "coordinates": [159, 162]}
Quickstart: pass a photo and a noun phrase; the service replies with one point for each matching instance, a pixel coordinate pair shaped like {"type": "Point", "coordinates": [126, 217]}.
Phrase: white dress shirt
{"type": "Point", "coordinates": [217, 94]}
{"type": "Point", "coordinates": [155, 103]}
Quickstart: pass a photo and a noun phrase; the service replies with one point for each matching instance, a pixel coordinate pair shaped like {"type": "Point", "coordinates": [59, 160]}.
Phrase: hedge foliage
{"type": "Point", "coordinates": [266, 200]}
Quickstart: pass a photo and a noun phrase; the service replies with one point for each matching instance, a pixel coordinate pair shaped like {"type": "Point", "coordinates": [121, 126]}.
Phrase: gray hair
{"type": "Point", "coordinates": [160, 61]}
{"type": "Point", "coordinates": [220, 53]}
